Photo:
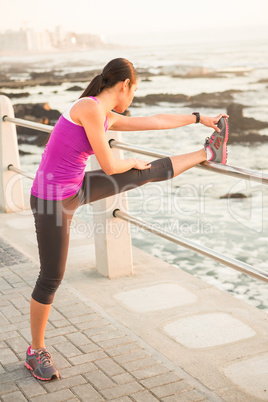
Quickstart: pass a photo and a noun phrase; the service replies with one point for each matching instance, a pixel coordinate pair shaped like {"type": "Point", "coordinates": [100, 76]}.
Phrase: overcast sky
{"type": "Point", "coordinates": [123, 17]}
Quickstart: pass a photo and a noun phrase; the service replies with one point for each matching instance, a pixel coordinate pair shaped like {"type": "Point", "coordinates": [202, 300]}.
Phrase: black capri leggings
{"type": "Point", "coordinates": [53, 218]}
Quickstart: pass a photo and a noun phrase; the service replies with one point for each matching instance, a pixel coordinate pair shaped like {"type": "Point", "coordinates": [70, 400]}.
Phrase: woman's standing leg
{"type": "Point", "coordinates": [52, 222]}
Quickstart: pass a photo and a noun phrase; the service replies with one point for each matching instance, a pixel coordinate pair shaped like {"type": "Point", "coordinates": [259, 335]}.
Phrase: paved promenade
{"type": "Point", "coordinates": [159, 335]}
{"type": "Point", "coordinates": [97, 359]}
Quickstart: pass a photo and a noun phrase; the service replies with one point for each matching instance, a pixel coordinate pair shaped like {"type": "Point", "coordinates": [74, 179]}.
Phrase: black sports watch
{"type": "Point", "coordinates": [197, 115]}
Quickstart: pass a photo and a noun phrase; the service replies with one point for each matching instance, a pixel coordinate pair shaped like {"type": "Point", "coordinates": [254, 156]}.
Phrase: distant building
{"type": "Point", "coordinates": [28, 40]}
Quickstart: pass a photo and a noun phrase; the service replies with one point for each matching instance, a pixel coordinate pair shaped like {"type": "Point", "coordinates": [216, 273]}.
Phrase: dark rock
{"type": "Point", "coordinates": [154, 99]}
{"type": "Point", "coordinates": [19, 95]}
{"type": "Point", "coordinates": [40, 113]}
{"type": "Point", "coordinates": [239, 122]}
{"type": "Point", "coordinates": [244, 137]}
{"type": "Point", "coordinates": [22, 153]}
{"type": "Point", "coordinates": [75, 88]}
{"type": "Point", "coordinates": [234, 195]}
{"type": "Point", "coordinates": [211, 100]}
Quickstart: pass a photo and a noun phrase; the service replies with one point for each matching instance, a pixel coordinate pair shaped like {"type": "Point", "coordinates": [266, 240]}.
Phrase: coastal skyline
{"type": "Point", "coordinates": [122, 21]}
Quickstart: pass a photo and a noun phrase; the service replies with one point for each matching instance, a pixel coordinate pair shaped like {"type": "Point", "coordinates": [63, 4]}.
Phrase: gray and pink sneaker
{"type": "Point", "coordinates": [41, 365]}
{"type": "Point", "coordinates": [215, 145]}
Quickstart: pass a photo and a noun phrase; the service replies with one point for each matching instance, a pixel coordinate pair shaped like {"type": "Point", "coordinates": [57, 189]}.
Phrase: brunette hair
{"type": "Point", "coordinates": [115, 71]}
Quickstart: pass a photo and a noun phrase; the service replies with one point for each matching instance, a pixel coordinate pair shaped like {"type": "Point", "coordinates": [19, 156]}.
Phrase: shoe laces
{"type": "Point", "coordinates": [44, 356]}
{"type": "Point", "coordinates": [209, 140]}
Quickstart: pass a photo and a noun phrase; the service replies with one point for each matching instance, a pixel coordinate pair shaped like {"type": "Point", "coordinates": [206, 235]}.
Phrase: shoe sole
{"type": "Point", "coordinates": [54, 377]}
{"type": "Point", "coordinates": [224, 159]}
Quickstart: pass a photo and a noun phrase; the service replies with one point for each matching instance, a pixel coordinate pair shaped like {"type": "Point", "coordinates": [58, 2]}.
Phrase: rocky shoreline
{"type": "Point", "coordinates": [242, 129]}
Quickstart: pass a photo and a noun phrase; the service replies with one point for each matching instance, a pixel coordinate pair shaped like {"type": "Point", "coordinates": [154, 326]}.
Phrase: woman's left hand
{"type": "Point", "coordinates": [212, 121]}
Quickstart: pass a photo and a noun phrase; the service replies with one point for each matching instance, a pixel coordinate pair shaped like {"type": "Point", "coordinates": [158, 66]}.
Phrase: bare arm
{"type": "Point", "coordinates": [92, 119]}
{"type": "Point", "coordinates": [118, 122]}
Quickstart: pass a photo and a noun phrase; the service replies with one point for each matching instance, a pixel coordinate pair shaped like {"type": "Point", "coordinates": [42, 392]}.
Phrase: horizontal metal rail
{"type": "Point", "coordinates": [14, 169]}
{"type": "Point", "coordinates": [29, 124]}
{"type": "Point", "coordinates": [234, 171]}
{"type": "Point", "coordinates": [215, 255]}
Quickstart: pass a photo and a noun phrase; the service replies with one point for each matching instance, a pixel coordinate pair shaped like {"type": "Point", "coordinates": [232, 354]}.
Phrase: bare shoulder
{"type": "Point", "coordinates": [86, 108]}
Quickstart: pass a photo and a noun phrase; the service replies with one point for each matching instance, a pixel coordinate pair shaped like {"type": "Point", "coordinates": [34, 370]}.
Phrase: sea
{"type": "Point", "coordinates": [193, 205]}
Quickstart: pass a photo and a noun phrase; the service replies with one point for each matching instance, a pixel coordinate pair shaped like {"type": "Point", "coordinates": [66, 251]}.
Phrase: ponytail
{"type": "Point", "coordinates": [115, 71]}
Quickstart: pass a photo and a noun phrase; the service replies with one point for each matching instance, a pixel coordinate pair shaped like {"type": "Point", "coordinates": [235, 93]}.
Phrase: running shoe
{"type": "Point", "coordinates": [41, 364]}
{"type": "Point", "coordinates": [215, 145]}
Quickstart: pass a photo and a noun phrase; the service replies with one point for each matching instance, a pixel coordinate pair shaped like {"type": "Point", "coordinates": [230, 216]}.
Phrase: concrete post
{"type": "Point", "coordinates": [112, 236]}
{"type": "Point", "coordinates": [11, 191]}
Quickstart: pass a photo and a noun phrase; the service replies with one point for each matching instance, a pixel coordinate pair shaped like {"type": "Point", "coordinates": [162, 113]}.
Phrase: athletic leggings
{"type": "Point", "coordinates": [53, 218]}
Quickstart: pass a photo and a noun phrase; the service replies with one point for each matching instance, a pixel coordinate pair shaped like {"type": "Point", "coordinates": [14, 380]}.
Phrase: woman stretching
{"type": "Point", "coordinates": [61, 184]}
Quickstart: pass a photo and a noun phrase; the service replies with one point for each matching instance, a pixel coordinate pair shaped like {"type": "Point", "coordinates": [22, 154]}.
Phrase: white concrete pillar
{"type": "Point", "coordinates": [112, 235]}
{"type": "Point", "coordinates": [11, 191]}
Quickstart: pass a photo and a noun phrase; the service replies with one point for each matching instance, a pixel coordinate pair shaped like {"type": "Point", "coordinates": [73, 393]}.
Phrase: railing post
{"type": "Point", "coordinates": [11, 190]}
{"type": "Point", "coordinates": [113, 247]}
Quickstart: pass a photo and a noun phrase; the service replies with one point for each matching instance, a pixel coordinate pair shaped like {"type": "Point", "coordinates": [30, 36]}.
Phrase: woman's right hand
{"type": "Point", "coordinates": [140, 164]}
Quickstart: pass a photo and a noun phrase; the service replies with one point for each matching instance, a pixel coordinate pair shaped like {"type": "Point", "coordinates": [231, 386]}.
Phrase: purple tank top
{"type": "Point", "coordinates": [62, 169]}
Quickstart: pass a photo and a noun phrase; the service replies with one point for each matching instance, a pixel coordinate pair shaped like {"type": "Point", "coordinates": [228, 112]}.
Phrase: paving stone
{"type": "Point", "coordinates": [138, 364]}
{"type": "Point", "coordinates": [191, 396]}
{"type": "Point", "coordinates": [160, 380]}
{"type": "Point", "coordinates": [16, 366]}
{"type": "Point", "coordinates": [87, 393]}
{"type": "Point", "coordinates": [109, 367]}
{"type": "Point", "coordinates": [77, 312]}
{"type": "Point", "coordinates": [66, 383]}
{"type": "Point", "coordinates": [128, 357]}
{"type": "Point", "coordinates": [22, 372]}
{"type": "Point", "coordinates": [111, 343]}
{"type": "Point", "coordinates": [31, 387]}
{"type": "Point", "coordinates": [144, 396]}
{"type": "Point", "coordinates": [106, 336]}
{"type": "Point", "coordinates": [59, 396]}
{"type": "Point", "coordinates": [7, 387]}
{"type": "Point", "coordinates": [10, 311]}
{"type": "Point", "coordinates": [88, 357]}
{"type": "Point", "coordinates": [54, 341]}
{"type": "Point", "coordinates": [18, 344]}
{"type": "Point", "coordinates": [54, 315]}
{"type": "Point", "coordinates": [91, 347]}
{"type": "Point", "coordinates": [60, 331]}
{"type": "Point", "coordinates": [20, 302]}
{"type": "Point", "coordinates": [14, 397]}
{"type": "Point", "coordinates": [91, 324]}
{"type": "Point", "coordinates": [11, 327]}
{"type": "Point", "coordinates": [68, 349]}
{"type": "Point", "coordinates": [171, 389]}
{"type": "Point", "coordinates": [7, 356]}
{"type": "Point", "coordinates": [78, 339]}
{"type": "Point", "coordinates": [99, 330]}
{"type": "Point", "coordinates": [61, 323]}
{"type": "Point", "coordinates": [76, 370]}
{"type": "Point", "coordinates": [2, 370]}
{"type": "Point", "coordinates": [7, 335]}
{"type": "Point", "coordinates": [59, 360]}
{"type": "Point", "coordinates": [78, 318]}
{"type": "Point", "coordinates": [122, 390]}
{"type": "Point", "coordinates": [123, 378]}
{"type": "Point", "coordinates": [99, 380]}
{"type": "Point", "coordinates": [123, 399]}
{"type": "Point", "coordinates": [123, 349]}
{"type": "Point", "coordinates": [4, 320]}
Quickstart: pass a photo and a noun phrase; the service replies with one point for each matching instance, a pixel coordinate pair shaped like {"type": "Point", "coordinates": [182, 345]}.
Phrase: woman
{"type": "Point", "coordinates": [61, 184]}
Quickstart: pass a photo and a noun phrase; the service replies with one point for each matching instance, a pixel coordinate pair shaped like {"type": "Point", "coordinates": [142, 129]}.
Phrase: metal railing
{"type": "Point", "coordinates": [217, 168]}
{"type": "Point", "coordinates": [207, 252]}
{"type": "Point", "coordinates": [234, 171]}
